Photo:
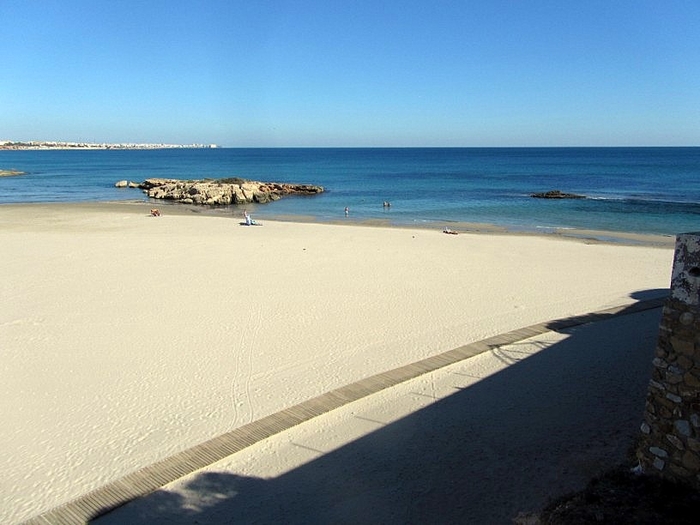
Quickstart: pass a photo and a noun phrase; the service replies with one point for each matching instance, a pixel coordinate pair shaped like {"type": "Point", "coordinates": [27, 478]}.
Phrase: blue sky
{"type": "Point", "coordinates": [352, 73]}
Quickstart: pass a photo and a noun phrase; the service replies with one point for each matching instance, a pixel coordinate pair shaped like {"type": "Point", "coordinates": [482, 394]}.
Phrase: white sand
{"type": "Point", "coordinates": [480, 441]}
{"type": "Point", "coordinates": [126, 338]}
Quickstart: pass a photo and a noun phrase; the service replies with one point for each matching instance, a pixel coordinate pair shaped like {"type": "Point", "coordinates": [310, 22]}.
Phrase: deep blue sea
{"type": "Point", "coordinates": [642, 190]}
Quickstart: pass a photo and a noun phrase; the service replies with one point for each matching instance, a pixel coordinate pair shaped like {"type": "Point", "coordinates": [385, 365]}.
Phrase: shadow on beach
{"type": "Point", "coordinates": [512, 442]}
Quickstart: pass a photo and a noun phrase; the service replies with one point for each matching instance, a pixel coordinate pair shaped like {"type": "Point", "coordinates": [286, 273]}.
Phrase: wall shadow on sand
{"type": "Point", "coordinates": [511, 442]}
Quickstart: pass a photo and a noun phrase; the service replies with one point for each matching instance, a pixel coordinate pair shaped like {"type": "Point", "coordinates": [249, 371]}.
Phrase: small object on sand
{"type": "Point", "coordinates": [450, 232]}
{"type": "Point", "coordinates": [249, 220]}
{"type": "Point", "coordinates": [155, 212]}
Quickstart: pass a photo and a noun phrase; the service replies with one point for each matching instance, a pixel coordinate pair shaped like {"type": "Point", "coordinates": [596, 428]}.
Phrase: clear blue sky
{"type": "Point", "coordinates": [352, 73]}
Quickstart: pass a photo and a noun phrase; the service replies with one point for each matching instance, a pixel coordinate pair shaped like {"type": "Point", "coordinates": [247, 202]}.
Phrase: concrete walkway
{"type": "Point", "coordinates": [475, 435]}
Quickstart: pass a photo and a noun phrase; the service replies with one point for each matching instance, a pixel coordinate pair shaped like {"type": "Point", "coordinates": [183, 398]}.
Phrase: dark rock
{"type": "Point", "coordinates": [556, 194]}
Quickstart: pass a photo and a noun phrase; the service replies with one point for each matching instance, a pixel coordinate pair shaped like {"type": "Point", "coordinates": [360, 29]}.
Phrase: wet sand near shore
{"type": "Point", "coordinates": [584, 235]}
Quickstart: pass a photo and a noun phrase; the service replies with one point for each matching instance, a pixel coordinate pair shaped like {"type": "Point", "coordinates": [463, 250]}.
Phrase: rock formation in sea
{"type": "Point", "coordinates": [220, 191]}
{"type": "Point", "coordinates": [556, 194]}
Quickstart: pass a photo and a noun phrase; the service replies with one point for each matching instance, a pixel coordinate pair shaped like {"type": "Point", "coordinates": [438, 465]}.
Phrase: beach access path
{"type": "Point", "coordinates": [486, 440]}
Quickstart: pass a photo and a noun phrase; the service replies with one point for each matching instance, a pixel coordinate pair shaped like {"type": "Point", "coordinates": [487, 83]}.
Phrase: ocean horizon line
{"type": "Point", "coordinates": [454, 147]}
{"type": "Point", "coordinates": [129, 146]}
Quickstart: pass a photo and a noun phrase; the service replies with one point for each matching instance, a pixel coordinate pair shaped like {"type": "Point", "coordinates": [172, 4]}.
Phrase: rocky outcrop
{"type": "Point", "coordinates": [126, 184]}
{"type": "Point", "coordinates": [556, 194]}
{"type": "Point", "coordinates": [223, 191]}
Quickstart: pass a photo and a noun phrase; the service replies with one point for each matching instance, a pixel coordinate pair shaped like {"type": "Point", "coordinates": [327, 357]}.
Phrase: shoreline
{"type": "Point", "coordinates": [573, 234]}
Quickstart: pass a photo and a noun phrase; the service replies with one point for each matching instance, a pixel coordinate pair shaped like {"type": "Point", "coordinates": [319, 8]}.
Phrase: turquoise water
{"type": "Point", "coordinates": [642, 190]}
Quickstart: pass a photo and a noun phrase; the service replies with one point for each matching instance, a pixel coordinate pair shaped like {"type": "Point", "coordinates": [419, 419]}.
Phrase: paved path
{"type": "Point", "coordinates": [393, 487]}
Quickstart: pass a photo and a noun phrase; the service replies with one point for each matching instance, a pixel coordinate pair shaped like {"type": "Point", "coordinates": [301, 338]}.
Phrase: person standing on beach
{"type": "Point", "coordinates": [347, 211]}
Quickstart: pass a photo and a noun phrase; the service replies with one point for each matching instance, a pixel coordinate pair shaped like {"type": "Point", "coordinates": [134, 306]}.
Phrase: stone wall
{"type": "Point", "coordinates": [670, 444]}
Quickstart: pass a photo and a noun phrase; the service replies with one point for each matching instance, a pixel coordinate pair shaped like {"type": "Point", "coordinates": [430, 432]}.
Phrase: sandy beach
{"type": "Point", "coordinates": [127, 338]}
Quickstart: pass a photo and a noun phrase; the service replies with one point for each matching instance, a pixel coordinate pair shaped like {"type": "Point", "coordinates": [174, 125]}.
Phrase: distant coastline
{"type": "Point", "coordinates": [46, 144]}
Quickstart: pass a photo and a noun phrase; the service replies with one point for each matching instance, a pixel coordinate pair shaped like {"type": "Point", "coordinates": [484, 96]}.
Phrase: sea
{"type": "Point", "coordinates": [644, 190]}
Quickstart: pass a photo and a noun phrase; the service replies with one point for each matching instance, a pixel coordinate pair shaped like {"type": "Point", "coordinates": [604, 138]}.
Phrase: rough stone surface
{"type": "Point", "coordinates": [675, 441]}
{"type": "Point", "coordinates": [691, 461]}
{"type": "Point", "coordinates": [691, 380]}
{"type": "Point", "coordinates": [670, 434]}
{"type": "Point", "coordinates": [685, 280]}
{"type": "Point", "coordinates": [658, 452]}
{"type": "Point", "coordinates": [673, 397]}
{"type": "Point", "coordinates": [222, 192]}
{"type": "Point", "coordinates": [682, 428]}
{"type": "Point", "coordinates": [556, 194]}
